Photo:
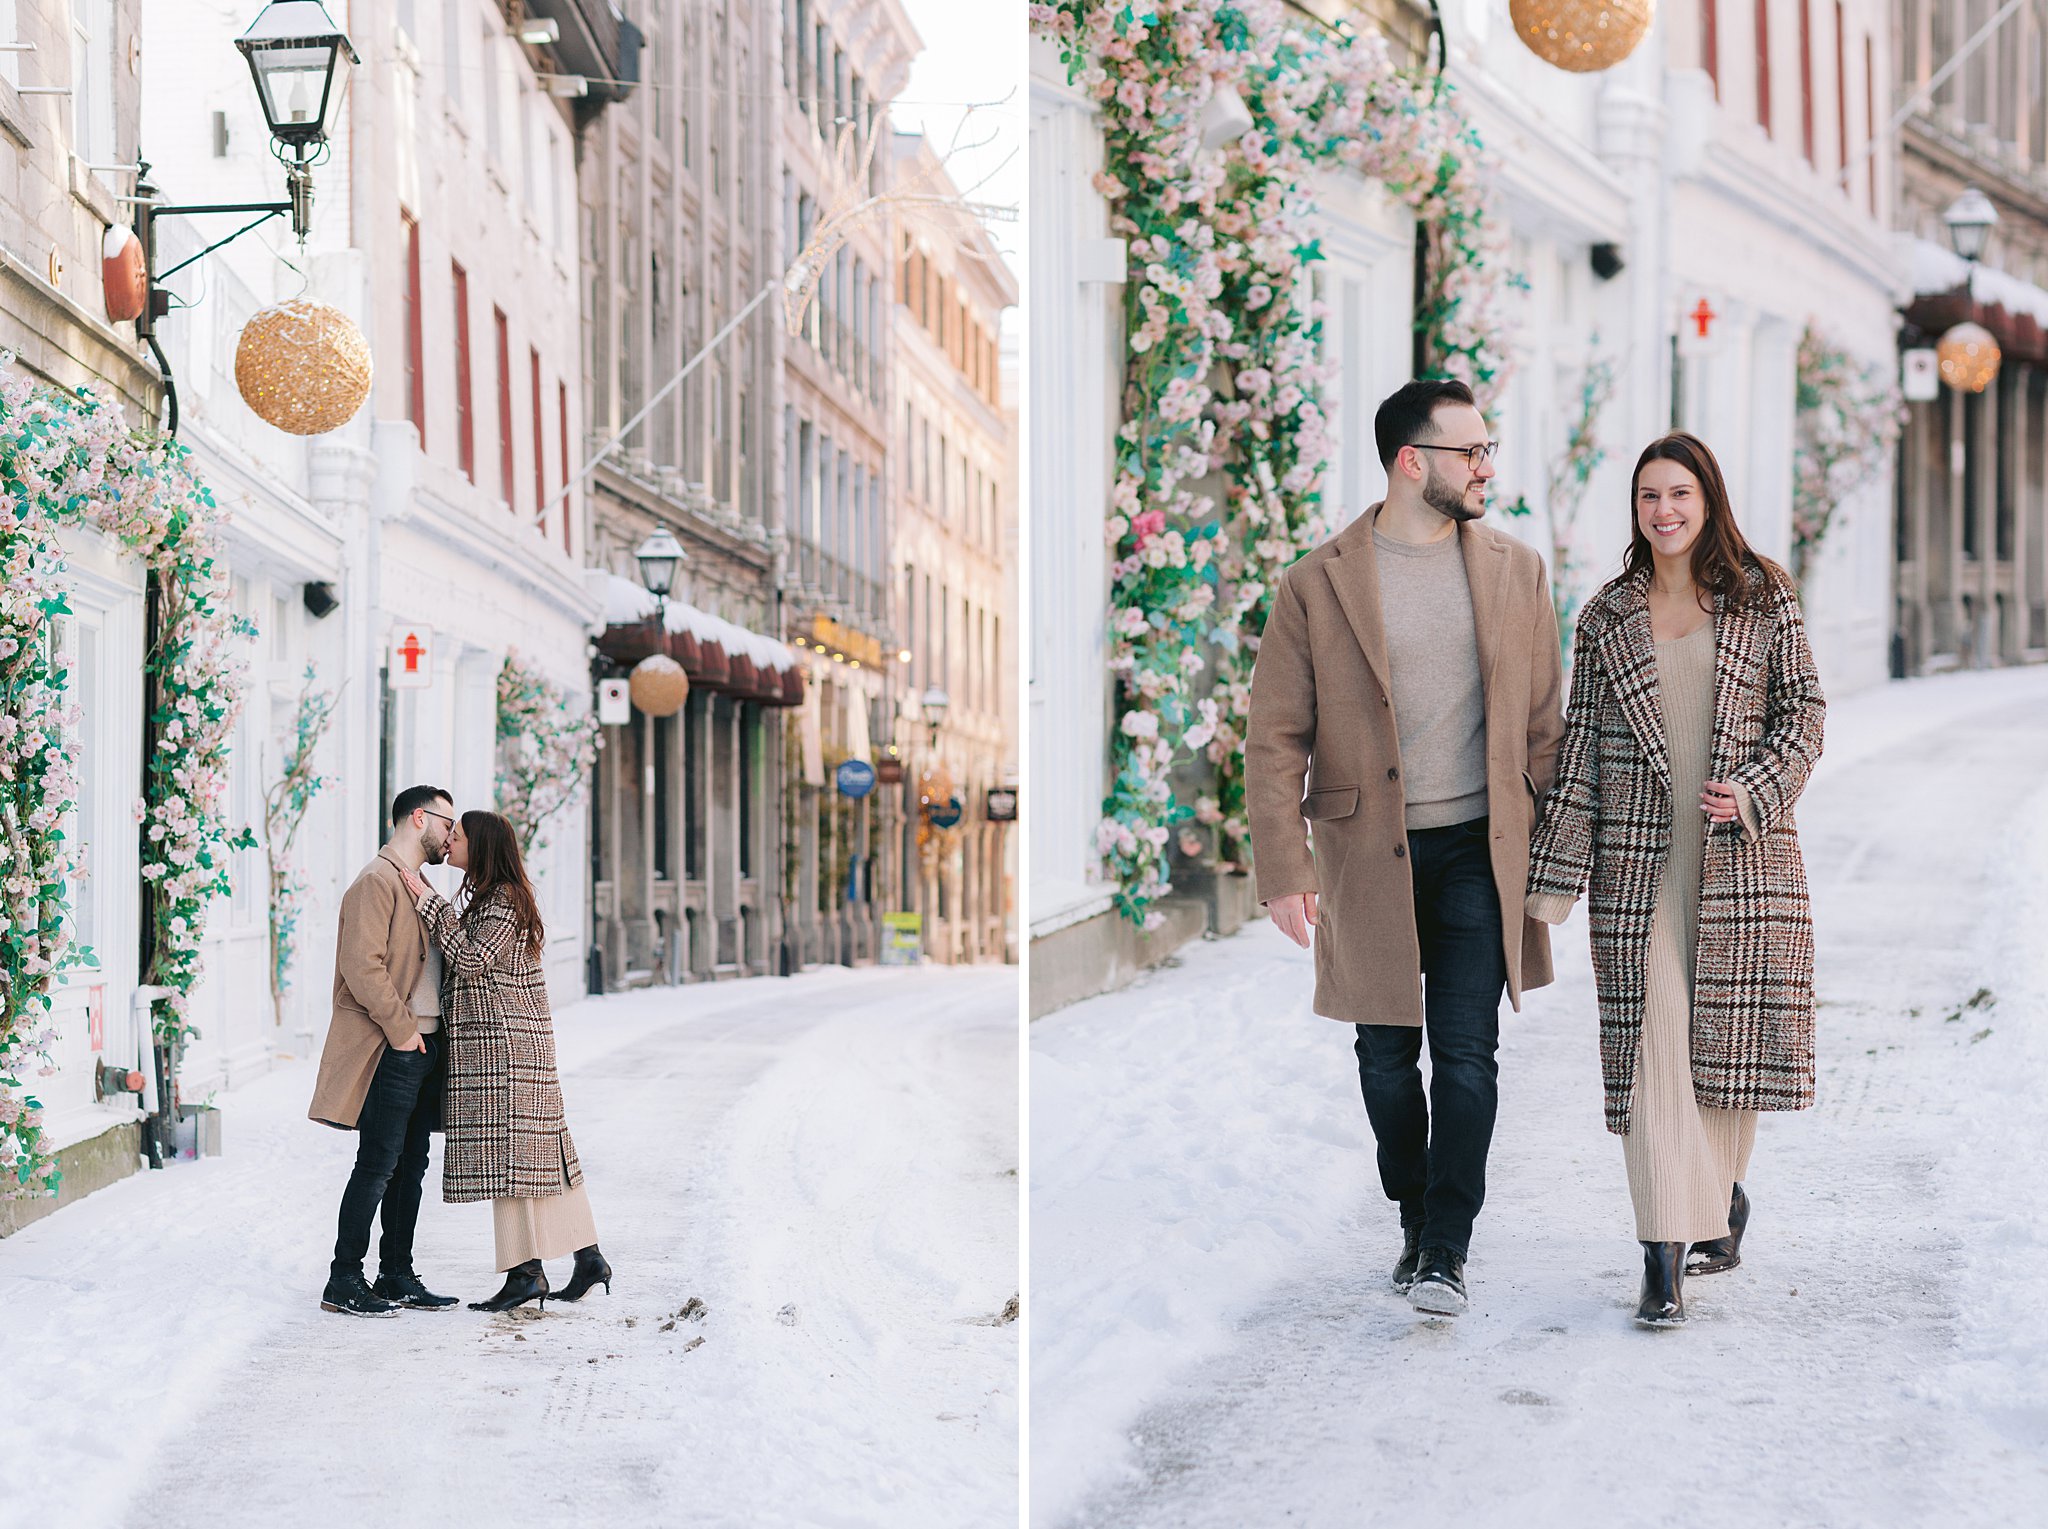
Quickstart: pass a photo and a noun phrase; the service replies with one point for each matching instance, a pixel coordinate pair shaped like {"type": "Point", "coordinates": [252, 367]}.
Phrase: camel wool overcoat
{"type": "Point", "coordinates": [379, 954]}
{"type": "Point", "coordinates": [1608, 824]}
{"type": "Point", "coordinates": [1321, 747]}
{"type": "Point", "coordinates": [508, 1135]}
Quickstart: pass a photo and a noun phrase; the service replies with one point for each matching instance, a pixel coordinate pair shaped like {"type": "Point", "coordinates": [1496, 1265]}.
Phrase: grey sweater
{"type": "Point", "coordinates": [1439, 697]}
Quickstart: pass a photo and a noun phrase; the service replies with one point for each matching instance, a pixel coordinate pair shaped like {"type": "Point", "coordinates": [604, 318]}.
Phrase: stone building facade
{"type": "Point", "coordinates": [1970, 550]}
{"type": "Point", "coordinates": [955, 513]}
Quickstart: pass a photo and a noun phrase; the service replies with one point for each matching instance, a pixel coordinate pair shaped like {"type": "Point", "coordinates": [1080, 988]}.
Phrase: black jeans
{"type": "Point", "coordinates": [392, 1134]}
{"type": "Point", "coordinates": [1435, 1168]}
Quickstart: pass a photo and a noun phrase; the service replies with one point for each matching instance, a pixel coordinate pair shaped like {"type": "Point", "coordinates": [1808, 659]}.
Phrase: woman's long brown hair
{"type": "Point", "coordinates": [495, 866]}
{"type": "Point", "coordinates": [1721, 558]}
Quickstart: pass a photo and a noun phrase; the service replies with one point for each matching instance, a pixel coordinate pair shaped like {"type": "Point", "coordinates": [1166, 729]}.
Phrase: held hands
{"type": "Point", "coordinates": [1295, 914]}
{"type": "Point", "coordinates": [1717, 801]}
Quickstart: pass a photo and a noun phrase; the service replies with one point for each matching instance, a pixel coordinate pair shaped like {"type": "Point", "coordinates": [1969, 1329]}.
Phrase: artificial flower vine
{"type": "Point", "coordinates": [1846, 425]}
{"type": "Point", "coordinates": [70, 459]}
{"type": "Point", "coordinates": [1223, 373]}
{"type": "Point", "coordinates": [544, 752]}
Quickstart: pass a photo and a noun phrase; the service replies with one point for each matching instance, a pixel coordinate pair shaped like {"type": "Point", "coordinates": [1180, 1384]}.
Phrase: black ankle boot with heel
{"type": "Point", "coordinates": [591, 1269]}
{"type": "Point", "coordinates": [1663, 1300]}
{"type": "Point", "coordinates": [523, 1282]}
{"type": "Point", "coordinates": [1722, 1252]}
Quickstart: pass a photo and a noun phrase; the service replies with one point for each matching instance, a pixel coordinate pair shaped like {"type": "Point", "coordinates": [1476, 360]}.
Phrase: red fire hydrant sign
{"type": "Point", "coordinates": [412, 657]}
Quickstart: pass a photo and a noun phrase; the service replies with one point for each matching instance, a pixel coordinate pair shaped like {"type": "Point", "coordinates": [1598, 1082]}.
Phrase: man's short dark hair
{"type": "Point", "coordinates": [1409, 414]}
{"type": "Point", "coordinates": [412, 799]}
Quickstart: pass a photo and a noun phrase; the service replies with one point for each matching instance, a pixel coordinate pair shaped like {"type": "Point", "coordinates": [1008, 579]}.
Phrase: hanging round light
{"type": "Point", "coordinates": [303, 366]}
{"type": "Point", "coordinates": [1584, 36]}
{"type": "Point", "coordinates": [659, 685]}
{"type": "Point", "coordinates": [1968, 357]}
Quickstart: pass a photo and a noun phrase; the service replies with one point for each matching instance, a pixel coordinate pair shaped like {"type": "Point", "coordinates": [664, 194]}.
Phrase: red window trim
{"type": "Point", "coordinates": [504, 331]}
{"type": "Point", "coordinates": [1710, 42]}
{"type": "Point", "coordinates": [1763, 65]}
{"type": "Point", "coordinates": [1806, 78]}
{"type": "Point", "coordinates": [540, 454]}
{"type": "Point", "coordinates": [465, 415]}
{"type": "Point", "coordinates": [415, 341]}
{"type": "Point", "coordinates": [562, 400]}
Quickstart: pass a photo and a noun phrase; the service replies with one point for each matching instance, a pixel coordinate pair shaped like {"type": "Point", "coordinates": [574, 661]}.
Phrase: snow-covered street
{"type": "Point", "coordinates": [1215, 1341]}
{"type": "Point", "coordinates": [827, 1163]}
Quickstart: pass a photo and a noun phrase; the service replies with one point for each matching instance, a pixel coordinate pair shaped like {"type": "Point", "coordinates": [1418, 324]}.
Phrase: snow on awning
{"type": "Point", "coordinates": [1938, 271]}
{"type": "Point", "coordinates": [627, 603]}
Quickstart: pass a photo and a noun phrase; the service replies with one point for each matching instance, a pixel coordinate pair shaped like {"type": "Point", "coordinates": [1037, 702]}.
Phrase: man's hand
{"type": "Point", "coordinates": [417, 1043]}
{"type": "Point", "coordinates": [1295, 914]}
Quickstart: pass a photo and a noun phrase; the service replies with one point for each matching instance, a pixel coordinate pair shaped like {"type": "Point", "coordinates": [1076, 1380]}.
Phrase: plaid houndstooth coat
{"type": "Point", "coordinates": [507, 1135]}
{"type": "Point", "coordinates": [1608, 823]}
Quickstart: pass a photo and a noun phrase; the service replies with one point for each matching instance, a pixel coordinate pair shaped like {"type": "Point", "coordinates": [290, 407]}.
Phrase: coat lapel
{"type": "Point", "coordinates": [1628, 652]}
{"type": "Point", "coordinates": [1486, 574]}
{"type": "Point", "coordinates": [1734, 644]}
{"type": "Point", "coordinates": [1354, 573]}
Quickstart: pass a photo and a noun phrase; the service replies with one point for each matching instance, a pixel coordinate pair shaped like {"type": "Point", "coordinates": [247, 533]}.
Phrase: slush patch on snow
{"type": "Point", "coordinates": [787, 1316]}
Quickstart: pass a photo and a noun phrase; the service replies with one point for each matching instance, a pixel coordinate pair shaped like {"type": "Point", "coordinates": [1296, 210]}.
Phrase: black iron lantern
{"type": "Point", "coordinates": [657, 557]}
{"type": "Point", "coordinates": [300, 60]}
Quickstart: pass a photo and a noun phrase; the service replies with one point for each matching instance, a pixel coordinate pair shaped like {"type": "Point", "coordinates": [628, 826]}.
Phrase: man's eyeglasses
{"type": "Point", "coordinates": [1473, 455]}
{"type": "Point", "coordinates": [441, 815]}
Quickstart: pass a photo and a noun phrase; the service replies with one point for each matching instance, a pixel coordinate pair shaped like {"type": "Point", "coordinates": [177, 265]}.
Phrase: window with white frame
{"type": "Point", "coordinates": [92, 80]}
{"type": "Point", "coordinates": [494, 125]}
{"type": "Point", "coordinates": [10, 33]}
{"type": "Point", "coordinates": [452, 49]}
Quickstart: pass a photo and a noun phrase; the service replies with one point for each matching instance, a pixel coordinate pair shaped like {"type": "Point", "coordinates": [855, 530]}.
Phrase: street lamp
{"type": "Point", "coordinates": [1970, 219]}
{"type": "Point", "coordinates": [300, 61]}
{"type": "Point", "coordinates": [933, 703]}
{"type": "Point", "coordinates": [658, 557]}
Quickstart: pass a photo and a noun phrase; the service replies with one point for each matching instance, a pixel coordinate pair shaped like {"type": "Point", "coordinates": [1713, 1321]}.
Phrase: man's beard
{"type": "Point", "coordinates": [1447, 501]}
{"type": "Point", "coordinates": [436, 856]}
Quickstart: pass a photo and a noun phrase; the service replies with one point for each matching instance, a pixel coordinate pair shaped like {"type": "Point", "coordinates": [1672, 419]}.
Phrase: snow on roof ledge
{"type": "Point", "coordinates": [1937, 270]}
{"type": "Point", "coordinates": [626, 602]}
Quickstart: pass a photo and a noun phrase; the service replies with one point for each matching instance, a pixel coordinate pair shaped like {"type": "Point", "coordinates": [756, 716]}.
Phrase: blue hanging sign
{"type": "Point", "coordinates": [855, 778]}
{"type": "Point", "coordinates": [946, 814]}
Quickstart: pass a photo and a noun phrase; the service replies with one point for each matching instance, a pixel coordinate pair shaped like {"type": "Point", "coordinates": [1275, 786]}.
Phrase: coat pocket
{"type": "Point", "coordinates": [1330, 802]}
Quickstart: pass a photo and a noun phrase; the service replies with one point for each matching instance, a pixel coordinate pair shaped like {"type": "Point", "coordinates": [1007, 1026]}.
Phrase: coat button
{"type": "Point", "coordinates": [1400, 852]}
{"type": "Point", "coordinates": [1392, 773]}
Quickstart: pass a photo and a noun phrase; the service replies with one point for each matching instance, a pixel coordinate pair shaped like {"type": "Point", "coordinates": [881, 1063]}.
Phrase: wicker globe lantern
{"type": "Point", "coordinates": [1583, 36]}
{"type": "Point", "coordinates": [1968, 357]}
{"type": "Point", "coordinates": [659, 685]}
{"type": "Point", "coordinates": [303, 367]}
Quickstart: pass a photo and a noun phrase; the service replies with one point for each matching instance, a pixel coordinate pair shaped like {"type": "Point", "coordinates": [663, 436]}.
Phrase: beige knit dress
{"type": "Point", "coordinates": [1683, 1159]}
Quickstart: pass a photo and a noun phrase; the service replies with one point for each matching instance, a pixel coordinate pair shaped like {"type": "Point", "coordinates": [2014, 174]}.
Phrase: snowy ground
{"type": "Point", "coordinates": [828, 1163]}
{"type": "Point", "coordinates": [1214, 1341]}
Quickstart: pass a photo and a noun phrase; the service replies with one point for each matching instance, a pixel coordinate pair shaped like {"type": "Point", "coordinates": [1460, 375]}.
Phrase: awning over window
{"type": "Point", "coordinates": [2014, 310]}
{"type": "Point", "coordinates": [717, 654]}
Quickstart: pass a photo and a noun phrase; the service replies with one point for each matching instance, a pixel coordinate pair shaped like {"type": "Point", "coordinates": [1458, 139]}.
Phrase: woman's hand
{"type": "Point", "coordinates": [419, 889]}
{"type": "Point", "coordinates": [1717, 801]}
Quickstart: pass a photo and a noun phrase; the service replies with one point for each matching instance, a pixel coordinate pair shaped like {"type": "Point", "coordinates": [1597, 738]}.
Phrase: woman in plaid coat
{"type": "Point", "coordinates": [1695, 720]}
{"type": "Point", "coordinates": [507, 1139]}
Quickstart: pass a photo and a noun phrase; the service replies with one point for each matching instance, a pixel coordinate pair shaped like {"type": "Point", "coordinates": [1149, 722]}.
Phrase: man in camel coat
{"type": "Point", "coordinates": [384, 1064]}
{"type": "Point", "coordinates": [1405, 704]}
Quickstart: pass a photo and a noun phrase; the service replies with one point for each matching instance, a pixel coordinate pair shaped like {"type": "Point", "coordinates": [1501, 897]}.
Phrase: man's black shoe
{"type": "Point", "coordinates": [348, 1295]}
{"type": "Point", "coordinates": [1439, 1288]}
{"type": "Point", "coordinates": [404, 1289]}
{"type": "Point", "coordinates": [1411, 1258]}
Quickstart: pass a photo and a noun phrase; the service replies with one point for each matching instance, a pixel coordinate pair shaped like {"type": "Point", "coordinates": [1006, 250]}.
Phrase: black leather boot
{"type": "Point", "coordinates": [523, 1283]}
{"type": "Point", "coordinates": [1439, 1288]}
{"type": "Point", "coordinates": [348, 1295]}
{"type": "Point", "coordinates": [1410, 1260]}
{"type": "Point", "coordinates": [1723, 1252]}
{"type": "Point", "coordinates": [1663, 1302]}
{"type": "Point", "coordinates": [591, 1269]}
{"type": "Point", "coordinates": [403, 1288]}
